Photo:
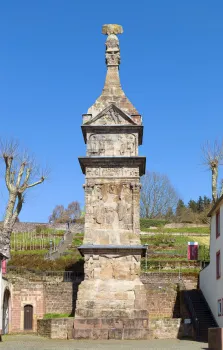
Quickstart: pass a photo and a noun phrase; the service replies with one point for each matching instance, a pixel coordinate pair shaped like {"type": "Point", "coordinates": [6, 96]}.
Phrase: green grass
{"type": "Point", "coordinates": [29, 252]}
{"type": "Point", "coordinates": [54, 315]}
{"type": "Point", "coordinates": [191, 271]}
{"type": "Point", "coordinates": [173, 241]}
{"type": "Point", "coordinates": [31, 260]}
{"type": "Point", "coordinates": [200, 230]}
{"type": "Point", "coordinates": [77, 240]}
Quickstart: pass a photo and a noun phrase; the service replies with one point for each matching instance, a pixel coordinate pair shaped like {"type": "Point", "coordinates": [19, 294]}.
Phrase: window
{"type": "Point", "coordinates": [219, 307]}
{"type": "Point", "coordinates": [217, 223]}
{"type": "Point", "coordinates": [218, 264]}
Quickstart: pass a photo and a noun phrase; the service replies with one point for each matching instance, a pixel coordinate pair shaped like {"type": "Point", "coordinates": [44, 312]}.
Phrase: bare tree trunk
{"type": "Point", "coordinates": [221, 191]}
{"type": "Point", "coordinates": [7, 226]}
{"type": "Point", "coordinates": [214, 170]}
{"type": "Point", "coordinates": [5, 235]}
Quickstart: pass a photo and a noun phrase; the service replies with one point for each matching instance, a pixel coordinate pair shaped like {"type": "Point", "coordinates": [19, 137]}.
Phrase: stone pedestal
{"type": "Point", "coordinates": [215, 338]}
{"type": "Point", "coordinates": [111, 301]}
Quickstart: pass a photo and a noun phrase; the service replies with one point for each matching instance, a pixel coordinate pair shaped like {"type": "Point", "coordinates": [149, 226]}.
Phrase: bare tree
{"type": "Point", "coordinates": [158, 196]}
{"type": "Point", "coordinates": [62, 215]}
{"type": "Point", "coordinates": [58, 214]}
{"type": "Point", "coordinates": [212, 158]}
{"type": "Point", "coordinates": [20, 173]}
{"type": "Point", "coordinates": [74, 211]}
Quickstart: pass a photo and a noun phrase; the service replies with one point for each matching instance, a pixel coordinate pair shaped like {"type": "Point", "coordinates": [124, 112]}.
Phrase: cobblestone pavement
{"type": "Point", "coordinates": [31, 342]}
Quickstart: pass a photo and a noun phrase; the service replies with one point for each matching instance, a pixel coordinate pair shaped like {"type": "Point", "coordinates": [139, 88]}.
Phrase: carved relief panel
{"type": "Point", "coordinates": [111, 117]}
{"type": "Point", "coordinates": [112, 145]}
{"type": "Point", "coordinates": [110, 206]}
{"type": "Point", "coordinates": [111, 172]}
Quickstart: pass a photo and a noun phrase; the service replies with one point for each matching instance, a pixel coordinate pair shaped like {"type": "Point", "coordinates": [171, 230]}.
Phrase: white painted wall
{"type": "Point", "coordinates": [1, 292]}
{"type": "Point", "coordinates": [211, 287]}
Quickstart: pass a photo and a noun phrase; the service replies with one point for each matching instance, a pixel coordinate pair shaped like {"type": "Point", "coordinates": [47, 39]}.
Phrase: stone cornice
{"type": "Point", "coordinates": [108, 129]}
{"type": "Point", "coordinates": [110, 162]}
{"type": "Point", "coordinates": [112, 249]}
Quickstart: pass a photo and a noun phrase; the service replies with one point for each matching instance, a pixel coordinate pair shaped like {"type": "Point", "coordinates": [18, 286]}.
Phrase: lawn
{"type": "Point", "coordinates": [200, 230]}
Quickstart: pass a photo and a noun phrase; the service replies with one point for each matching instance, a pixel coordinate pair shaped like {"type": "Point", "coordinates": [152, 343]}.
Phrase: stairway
{"type": "Point", "coordinates": [201, 315]}
{"type": "Point", "coordinates": [63, 245]}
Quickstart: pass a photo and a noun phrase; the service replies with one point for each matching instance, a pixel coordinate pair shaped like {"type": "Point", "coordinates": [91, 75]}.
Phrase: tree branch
{"type": "Point", "coordinates": [18, 208]}
{"type": "Point", "coordinates": [21, 171]}
{"type": "Point", "coordinates": [8, 164]}
{"type": "Point", "coordinates": [36, 183]}
{"type": "Point", "coordinates": [25, 183]}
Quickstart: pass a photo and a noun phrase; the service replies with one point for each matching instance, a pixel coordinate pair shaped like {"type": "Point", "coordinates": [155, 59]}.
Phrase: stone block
{"type": "Point", "coordinates": [100, 334]}
{"type": "Point", "coordinates": [82, 333]}
{"type": "Point", "coordinates": [215, 338]}
{"type": "Point", "coordinates": [135, 333]}
{"type": "Point", "coordinates": [115, 334]}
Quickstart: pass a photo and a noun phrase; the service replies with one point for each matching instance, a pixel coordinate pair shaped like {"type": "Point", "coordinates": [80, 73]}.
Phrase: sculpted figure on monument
{"type": "Point", "coordinates": [102, 145]}
{"type": "Point", "coordinates": [131, 145]}
{"type": "Point", "coordinates": [98, 205]}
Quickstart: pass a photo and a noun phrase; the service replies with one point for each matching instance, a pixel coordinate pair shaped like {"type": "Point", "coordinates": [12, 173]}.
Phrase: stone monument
{"type": "Point", "coordinates": [111, 301]}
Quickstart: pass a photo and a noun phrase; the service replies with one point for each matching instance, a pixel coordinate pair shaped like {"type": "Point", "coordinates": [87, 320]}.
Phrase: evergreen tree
{"type": "Point", "coordinates": [207, 202]}
{"type": "Point", "coordinates": [200, 204]}
{"type": "Point", "coordinates": [192, 205]}
{"type": "Point", "coordinates": [180, 207]}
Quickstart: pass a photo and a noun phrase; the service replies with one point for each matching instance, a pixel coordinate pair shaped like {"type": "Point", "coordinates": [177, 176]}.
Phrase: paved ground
{"type": "Point", "coordinates": [31, 342]}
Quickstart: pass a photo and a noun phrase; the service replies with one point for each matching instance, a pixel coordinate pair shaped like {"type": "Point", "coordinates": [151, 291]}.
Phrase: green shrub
{"type": "Point", "coordinates": [80, 220]}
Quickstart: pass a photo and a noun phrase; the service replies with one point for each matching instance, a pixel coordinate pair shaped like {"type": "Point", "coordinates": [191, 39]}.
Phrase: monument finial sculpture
{"type": "Point", "coordinates": [112, 90]}
{"type": "Point", "coordinates": [111, 301]}
{"type": "Point", "coordinates": [112, 44]}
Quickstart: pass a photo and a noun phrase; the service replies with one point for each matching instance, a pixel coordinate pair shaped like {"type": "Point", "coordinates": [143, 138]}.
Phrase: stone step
{"type": "Point", "coordinates": [111, 323]}
{"type": "Point", "coordinates": [115, 333]}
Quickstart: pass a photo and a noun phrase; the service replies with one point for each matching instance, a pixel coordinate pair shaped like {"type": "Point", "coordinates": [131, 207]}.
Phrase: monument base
{"type": "Point", "coordinates": [111, 301]}
{"type": "Point", "coordinates": [111, 328]}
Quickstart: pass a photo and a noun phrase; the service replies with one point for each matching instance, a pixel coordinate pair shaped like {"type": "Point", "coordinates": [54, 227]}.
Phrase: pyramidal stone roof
{"type": "Point", "coordinates": [112, 92]}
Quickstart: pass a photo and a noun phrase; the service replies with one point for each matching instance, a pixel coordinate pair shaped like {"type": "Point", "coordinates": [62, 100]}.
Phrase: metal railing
{"type": "Point", "coordinates": [65, 276]}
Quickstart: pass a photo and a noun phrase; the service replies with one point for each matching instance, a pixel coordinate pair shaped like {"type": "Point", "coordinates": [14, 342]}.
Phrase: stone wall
{"type": "Point", "coordinates": [31, 227]}
{"type": "Point", "coordinates": [163, 302]}
{"type": "Point", "coordinates": [45, 297]}
{"type": "Point", "coordinates": [60, 297]}
{"type": "Point", "coordinates": [54, 296]}
{"type": "Point", "coordinates": [163, 279]}
{"type": "Point", "coordinates": [56, 328]}
{"type": "Point", "coordinates": [26, 293]}
{"type": "Point", "coordinates": [166, 328]}
{"type": "Point", "coordinates": [163, 293]}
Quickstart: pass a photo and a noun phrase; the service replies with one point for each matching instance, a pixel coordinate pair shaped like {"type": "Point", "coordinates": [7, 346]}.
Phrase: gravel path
{"type": "Point", "coordinates": [31, 342]}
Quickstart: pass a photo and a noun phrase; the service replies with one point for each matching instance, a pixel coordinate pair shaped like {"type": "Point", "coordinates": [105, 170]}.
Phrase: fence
{"type": "Point", "coordinates": [65, 276]}
{"type": "Point", "coordinates": [34, 241]}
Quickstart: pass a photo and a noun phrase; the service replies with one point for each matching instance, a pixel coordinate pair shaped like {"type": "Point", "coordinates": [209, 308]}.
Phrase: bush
{"type": "Point", "coordinates": [147, 223]}
{"type": "Point", "coordinates": [80, 220]}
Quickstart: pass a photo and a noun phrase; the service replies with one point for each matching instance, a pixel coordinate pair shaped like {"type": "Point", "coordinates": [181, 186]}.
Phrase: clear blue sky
{"type": "Point", "coordinates": [52, 69]}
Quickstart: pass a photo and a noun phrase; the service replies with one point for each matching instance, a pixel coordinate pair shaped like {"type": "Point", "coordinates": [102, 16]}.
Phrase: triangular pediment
{"type": "Point", "coordinates": [111, 115]}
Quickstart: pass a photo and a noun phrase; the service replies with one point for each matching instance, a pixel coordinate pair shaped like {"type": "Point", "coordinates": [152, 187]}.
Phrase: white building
{"type": "Point", "coordinates": [211, 277]}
